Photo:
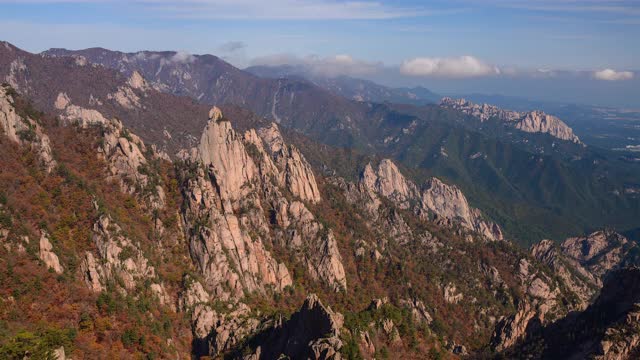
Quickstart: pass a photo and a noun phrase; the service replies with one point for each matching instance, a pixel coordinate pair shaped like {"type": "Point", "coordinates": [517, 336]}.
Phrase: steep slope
{"type": "Point", "coordinates": [119, 251]}
{"type": "Point", "coordinates": [85, 256]}
{"type": "Point", "coordinates": [581, 264]}
{"type": "Point", "coordinates": [607, 329]}
{"type": "Point", "coordinates": [98, 93]}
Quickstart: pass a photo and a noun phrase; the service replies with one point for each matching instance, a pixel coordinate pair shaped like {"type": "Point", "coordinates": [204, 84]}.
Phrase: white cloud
{"type": "Point", "coordinates": [612, 75]}
{"type": "Point", "coordinates": [330, 66]}
{"type": "Point", "coordinates": [232, 46]}
{"type": "Point", "coordinates": [183, 57]}
{"type": "Point", "coordinates": [456, 67]}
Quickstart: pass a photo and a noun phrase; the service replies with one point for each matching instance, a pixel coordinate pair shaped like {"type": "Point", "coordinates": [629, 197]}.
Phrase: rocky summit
{"type": "Point", "coordinates": [160, 205]}
{"type": "Point", "coordinates": [531, 122]}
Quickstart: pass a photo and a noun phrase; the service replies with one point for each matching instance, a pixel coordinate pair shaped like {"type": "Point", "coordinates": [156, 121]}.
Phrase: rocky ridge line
{"type": "Point", "coordinates": [531, 122]}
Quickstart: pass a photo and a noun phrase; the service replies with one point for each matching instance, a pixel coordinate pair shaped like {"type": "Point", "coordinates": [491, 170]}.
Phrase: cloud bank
{"type": "Point", "coordinates": [454, 67]}
{"type": "Point", "coordinates": [612, 75]}
{"type": "Point", "coordinates": [329, 66]}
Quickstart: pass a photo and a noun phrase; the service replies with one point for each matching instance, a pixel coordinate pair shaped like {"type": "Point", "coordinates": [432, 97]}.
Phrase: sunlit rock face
{"type": "Point", "coordinates": [531, 122]}
{"type": "Point", "coordinates": [24, 131]}
{"type": "Point", "coordinates": [445, 201]}
{"type": "Point", "coordinates": [232, 179]}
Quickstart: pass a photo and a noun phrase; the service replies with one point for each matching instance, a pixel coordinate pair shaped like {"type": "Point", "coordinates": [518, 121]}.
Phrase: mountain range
{"type": "Point", "coordinates": [168, 205]}
{"type": "Point", "coordinates": [555, 187]}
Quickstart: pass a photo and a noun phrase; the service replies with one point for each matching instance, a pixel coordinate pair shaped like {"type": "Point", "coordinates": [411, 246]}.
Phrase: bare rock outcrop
{"type": "Point", "coordinates": [222, 248]}
{"type": "Point", "coordinates": [24, 131]}
{"type": "Point", "coordinates": [418, 310]}
{"type": "Point", "coordinates": [125, 154]}
{"type": "Point", "coordinates": [540, 122]}
{"type": "Point", "coordinates": [230, 182]}
{"type": "Point", "coordinates": [311, 333]}
{"type": "Point", "coordinates": [541, 290]}
{"type": "Point", "coordinates": [444, 201]}
{"type": "Point", "coordinates": [583, 262]}
{"type": "Point", "coordinates": [607, 329]}
{"type": "Point", "coordinates": [598, 252]}
{"type": "Point", "coordinates": [223, 151]}
{"type": "Point", "coordinates": [578, 280]}
{"type": "Point", "coordinates": [47, 255]}
{"type": "Point", "coordinates": [218, 332]}
{"type": "Point", "coordinates": [451, 295]}
{"type": "Point", "coordinates": [449, 202]}
{"type": "Point", "coordinates": [216, 329]}
{"type": "Point", "coordinates": [295, 173]}
{"type": "Point", "coordinates": [119, 259]}
{"type": "Point", "coordinates": [71, 113]}
{"type": "Point", "coordinates": [513, 328]}
{"type": "Point", "coordinates": [316, 244]}
{"type": "Point", "coordinates": [235, 206]}
{"type": "Point", "coordinates": [541, 303]}
{"type": "Point", "coordinates": [531, 122]}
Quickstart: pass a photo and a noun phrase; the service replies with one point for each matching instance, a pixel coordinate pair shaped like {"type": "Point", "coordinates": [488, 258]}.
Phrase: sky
{"type": "Point", "coordinates": [566, 50]}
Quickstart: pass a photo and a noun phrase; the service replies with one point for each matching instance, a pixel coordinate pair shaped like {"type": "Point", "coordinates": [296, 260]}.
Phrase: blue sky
{"type": "Point", "coordinates": [473, 43]}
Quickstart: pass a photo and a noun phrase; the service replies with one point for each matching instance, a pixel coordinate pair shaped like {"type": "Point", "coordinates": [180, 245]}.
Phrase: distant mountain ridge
{"type": "Point", "coordinates": [531, 121]}
{"type": "Point", "coordinates": [350, 87]}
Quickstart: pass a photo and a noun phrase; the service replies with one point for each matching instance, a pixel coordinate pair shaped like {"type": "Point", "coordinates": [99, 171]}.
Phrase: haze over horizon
{"type": "Point", "coordinates": [566, 51]}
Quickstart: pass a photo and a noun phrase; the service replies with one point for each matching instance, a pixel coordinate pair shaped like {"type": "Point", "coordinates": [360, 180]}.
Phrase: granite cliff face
{"type": "Point", "coordinates": [583, 262]}
{"type": "Point", "coordinates": [581, 265]}
{"type": "Point", "coordinates": [230, 188]}
{"type": "Point", "coordinates": [607, 329]}
{"type": "Point", "coordinates": [446, 202]}
{"type": "Point", "coordinates": [295, 173]}
{"type": "Point", "coordinates": [230, 182]}
{"type": "Point", "coordinates": [23, 130]}
{"type": "Point", "coordinates": [531, 122]}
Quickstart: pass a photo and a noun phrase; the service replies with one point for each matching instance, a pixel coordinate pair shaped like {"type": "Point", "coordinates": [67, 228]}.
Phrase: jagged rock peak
{"type": "Point", "coordinates": [313, 305]}
{"type": "Point", "coordinates": [223, 150]}
{"type": "Point", "coordinates": [445, 201]}
{"type": "Point", "coordinates": [215, 114]}
{"type": "Point", "coordinates": [608, 329]}
{"type": "Point", "coordinates": [531, 122]}
{"type": "Point", "coordinates": [295, 172]}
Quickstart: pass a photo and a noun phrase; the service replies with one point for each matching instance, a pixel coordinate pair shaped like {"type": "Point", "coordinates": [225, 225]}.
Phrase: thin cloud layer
{"type": "Point", "coordinates": [268, 10]}
{"type": "Point", "coordinates": [183, 57]}
{"type": "Point", "coordinates": [232, 46]}
{"type": "Point", "coordinates": [457, 67]}
{"type": "Point", "coordinates": [330, 66]}
{"type": "Point", "coordinates": [612, 75]}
